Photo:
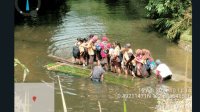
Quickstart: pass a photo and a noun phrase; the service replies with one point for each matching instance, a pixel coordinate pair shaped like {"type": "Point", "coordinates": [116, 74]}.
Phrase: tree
{"type": "Point", "coordinates": [173, 17]}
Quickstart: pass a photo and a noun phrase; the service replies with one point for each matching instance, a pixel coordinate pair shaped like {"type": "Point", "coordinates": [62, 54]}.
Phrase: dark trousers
{"type": "Point", "coordinates": [167, 78]}
{"type": "Point", "coordinates": [95, 80]}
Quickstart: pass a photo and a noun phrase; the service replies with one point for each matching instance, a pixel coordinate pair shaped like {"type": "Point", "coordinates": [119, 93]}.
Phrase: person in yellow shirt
{"type": "Point", "coordinates": [81, 49]}
{"type": "Point", "coordinates": [85, 53]}
{"type": "Point", "coordinates": [115, 58]}
{"type": "Point", "coordinates": [128, 67]}
{"type": "Point", "coordinates": [91, 49]}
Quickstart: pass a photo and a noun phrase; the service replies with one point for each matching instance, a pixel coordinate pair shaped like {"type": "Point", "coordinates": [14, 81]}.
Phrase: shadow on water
{"type": "Point", "coordinates": [130, 9]}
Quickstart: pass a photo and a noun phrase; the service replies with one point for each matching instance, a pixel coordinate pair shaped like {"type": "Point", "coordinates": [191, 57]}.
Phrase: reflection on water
{"type": "Point", "coordinates": [55, 31]}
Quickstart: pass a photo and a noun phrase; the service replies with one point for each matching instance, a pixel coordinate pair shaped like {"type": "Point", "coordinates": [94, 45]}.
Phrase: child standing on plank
{"type": "Point", "coordinates": [108, 55]}
{"type": "Point", "coordinates": [111, 55]}
{"type": "Point", "coordinates": [104, 51]}
{"type": "Point", "coordinates": [76, 52]}
{"type": "Point", "coordinates": [85, 53]}
{"type": "Point", "coordinates": [91, 49]}
{"type": "Point", "coordinates": [116, 60]}
{"type": "Point", "coordinates": [81, 49]}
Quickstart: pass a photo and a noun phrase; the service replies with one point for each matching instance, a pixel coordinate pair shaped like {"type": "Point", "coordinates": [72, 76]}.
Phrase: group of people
{"type": "Point", "coordinates": [116, 58]}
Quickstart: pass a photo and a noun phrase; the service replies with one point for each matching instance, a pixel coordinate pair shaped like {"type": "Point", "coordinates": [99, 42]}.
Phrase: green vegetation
{"type": "Point", "coordinates": [124, 106]}
{"type": "Point", "coordinates": [173, 17]}
{"type": "Point", "coordinates": [26, 71]}
{"type": "Point", "coordinates": [85, 73]}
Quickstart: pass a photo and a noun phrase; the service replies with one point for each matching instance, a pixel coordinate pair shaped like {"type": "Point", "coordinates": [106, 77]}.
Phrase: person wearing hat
{"type": "Point", "coordinates": [104, 51]}
{"type": "Point", "coordinates": [98, 72]}
{"type": "Point", "coordinates": [128, 65]}
{"type": "Point", "coordinates": [163, 70]}
{"type": "Point", "coordinates": [98, 53]}
{"type": "Point", "coordinates": [91, 49]}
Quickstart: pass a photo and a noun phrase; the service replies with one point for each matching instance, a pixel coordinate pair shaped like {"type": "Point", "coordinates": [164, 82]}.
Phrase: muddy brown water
{"type": "Point", "coordinates": [121, 20]}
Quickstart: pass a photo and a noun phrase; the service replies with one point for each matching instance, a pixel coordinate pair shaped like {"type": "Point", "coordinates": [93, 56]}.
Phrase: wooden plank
{"type": "Point", "coordinates": [60, 59]}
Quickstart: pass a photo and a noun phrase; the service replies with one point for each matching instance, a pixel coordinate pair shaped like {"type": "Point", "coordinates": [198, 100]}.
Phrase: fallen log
{"type": "Point", "coordinates": [68, 67]}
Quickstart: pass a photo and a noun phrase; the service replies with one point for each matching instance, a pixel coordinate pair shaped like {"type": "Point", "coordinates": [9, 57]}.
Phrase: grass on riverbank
{"type": "Point", "coordinates": [85, 72]}
{"type": "Point", "coordinates": [187, 36]}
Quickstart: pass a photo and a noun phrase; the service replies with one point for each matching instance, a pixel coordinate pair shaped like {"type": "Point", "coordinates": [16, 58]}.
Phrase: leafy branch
{"type": "Point", "coordinates": [26, 71]}
{"type": "Point", "coordinates": [172, 16]}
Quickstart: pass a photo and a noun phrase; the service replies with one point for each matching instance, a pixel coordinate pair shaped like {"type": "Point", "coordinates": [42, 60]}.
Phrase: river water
{"type": "Point", "coordinates": [55, 31]}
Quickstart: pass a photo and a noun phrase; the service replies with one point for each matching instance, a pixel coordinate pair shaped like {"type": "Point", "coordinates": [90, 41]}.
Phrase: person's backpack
{"type": "Point", "coordinates": [76, 52]}
{"type": "Point", "coordinates": [152, 65]}
{"type": "Point", "coordinates": [120, 56]}
{"type": "Point", "coordinates": [144, 73]}
{"type": "Point", "coordinates": [105, 48]}
{"type": "Point", "coordinates": [85, 50]}
{"type": "Point", "coordinates": [148, 64]}
{"type": "Point", "coordinates": [98, 47]}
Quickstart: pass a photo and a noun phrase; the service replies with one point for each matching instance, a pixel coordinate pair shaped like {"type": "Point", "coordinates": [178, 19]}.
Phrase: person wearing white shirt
{"type": "Point", "coordinates": [111, 54]}
{"type": "Point", "coordinates": [163, 70]}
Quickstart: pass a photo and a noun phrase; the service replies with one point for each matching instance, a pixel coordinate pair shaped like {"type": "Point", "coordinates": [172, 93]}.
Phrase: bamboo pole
{"type": "Point", "coordinates": [99, 106]}
{"type": "Point", "coordinates": [25, 103]}
{"type": "Point", "coordinates": [185, 86]}
{"type": "Point", "coordinates": [28, 102]}
{"type": "Point", "coordinates": [186, 76]}
{"type": "Point", "coordinates": [63, 99]}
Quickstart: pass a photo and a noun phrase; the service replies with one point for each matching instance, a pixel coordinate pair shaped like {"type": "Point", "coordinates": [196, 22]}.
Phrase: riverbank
{"type": "Point", "coordinates": [185, 41]}
{"type": "Point", "coordinates": [185, 46]}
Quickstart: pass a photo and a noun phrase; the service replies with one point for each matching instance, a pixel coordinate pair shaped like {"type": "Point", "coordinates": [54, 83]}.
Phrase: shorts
{"type": "Point", "coordinates": [86, 57]}
{"type": "Point", "coordinates": [95, 80]}
{"type": "Point", "coordinates": [108, 58]}
{"type": "Point", "coordinates": [167, 78]}
{"type": "Point", "coordinates": [98, 56]}
{"type": "Point", "coordinates": [91, 58]}
{"type": "Point", "coordinates": [105, 59]}
{"type": "Point", "coordinates": [117, 64]}
{"type": "Point", "coordinates": [77, 58]}
{"type": "Point", "coordinates": [130, 67]}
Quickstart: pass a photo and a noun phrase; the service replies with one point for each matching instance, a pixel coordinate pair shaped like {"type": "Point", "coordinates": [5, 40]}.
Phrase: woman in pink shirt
{"type": "Point", "coordinates": [104, 51]}
{"type": "Point", "coordinates": [138, 59]}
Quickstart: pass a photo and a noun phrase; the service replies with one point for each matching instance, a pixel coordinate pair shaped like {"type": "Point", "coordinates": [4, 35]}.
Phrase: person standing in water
{"type": "Point", "coordinates": [98, 72]}
{"type": "Point", "coordinates": [163, 70]}
{"type": "Point", "coordinates": [138, 59]}
{"type": "Point", "coordinates": [128, 66]}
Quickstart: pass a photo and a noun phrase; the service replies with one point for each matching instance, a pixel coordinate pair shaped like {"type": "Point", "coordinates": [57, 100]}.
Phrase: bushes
{"type": "Point", "coordinates": [173, 17]}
